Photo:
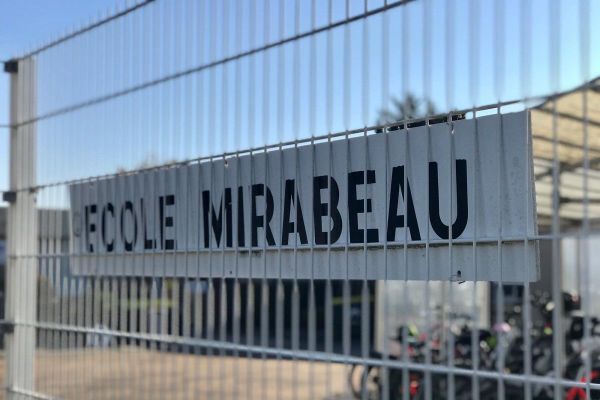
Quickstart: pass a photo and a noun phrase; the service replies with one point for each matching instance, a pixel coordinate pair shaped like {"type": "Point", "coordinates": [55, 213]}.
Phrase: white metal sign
{"type": "Point", "coordinates": [448, 201]}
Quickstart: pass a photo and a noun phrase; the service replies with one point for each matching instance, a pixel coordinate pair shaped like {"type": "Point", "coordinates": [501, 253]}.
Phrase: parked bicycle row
{"type": "Point", "coordinates": [502, 348]}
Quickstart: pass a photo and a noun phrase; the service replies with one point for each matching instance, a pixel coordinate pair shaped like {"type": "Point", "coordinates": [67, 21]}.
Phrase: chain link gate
{"type": "Point", "coordinates": [305, 199]}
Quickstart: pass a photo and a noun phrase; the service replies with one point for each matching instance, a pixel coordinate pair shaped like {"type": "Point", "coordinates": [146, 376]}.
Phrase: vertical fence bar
{"type": "Point", "coordinates": [21, 268]}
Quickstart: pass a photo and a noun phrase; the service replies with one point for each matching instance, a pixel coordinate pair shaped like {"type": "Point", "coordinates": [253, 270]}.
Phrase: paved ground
{"type": "Point", "coordinates": [135, 373]}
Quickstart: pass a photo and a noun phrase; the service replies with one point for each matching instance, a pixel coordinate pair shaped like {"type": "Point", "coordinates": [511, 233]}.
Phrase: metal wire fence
{"type": "Point", "coordinates": [307, 199]}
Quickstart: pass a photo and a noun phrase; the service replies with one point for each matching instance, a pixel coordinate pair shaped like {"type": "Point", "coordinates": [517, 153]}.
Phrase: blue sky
{"type": "Point", "coordinates": [204, 114]}
{"type": "Point", "coordinates": [25, 25]}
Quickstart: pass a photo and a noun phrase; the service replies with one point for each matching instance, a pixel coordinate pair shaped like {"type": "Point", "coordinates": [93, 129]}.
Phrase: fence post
{"type": "Point", "coordinates": [22, 235]}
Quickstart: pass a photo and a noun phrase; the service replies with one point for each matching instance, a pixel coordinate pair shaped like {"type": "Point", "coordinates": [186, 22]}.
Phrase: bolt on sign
{"type": "Point", "coordinates": [450, 201]}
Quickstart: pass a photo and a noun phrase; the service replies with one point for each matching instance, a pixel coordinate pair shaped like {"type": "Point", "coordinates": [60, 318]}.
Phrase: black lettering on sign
{"type": "Point", "coordinates": [216, 218]}
{"type": "Point", "coordinates": [321, 209]}
{"type": "Point", "coordinates": [109, 246]}
{"type": "Point", "coordinates": [396, 221]}
{"type": "Point", "coordinates": [462, 201]}
{"type": "Point", "coordinates": [357, 206]}
{"type": "Point", "coordinates": [287, 225]}
{"type": "Point", "coordinates": [90, 226]}
{"type": "Point", "coordinates": [156, 216]}
{"type": "Point", "coordinates": [128, 244]}
{"type": "Point", "coordinates": [216, 221]}
{"type": "Point", "coordinates": [165, 202]}
{"type": "Point", "coordinates": [149, 244]}
{"type": "Point", "coordinates": [241, 233]}
{"type": "Point", "coordinates": [228, 218]}
{"type": "Point", "coordinates": [262, 221]}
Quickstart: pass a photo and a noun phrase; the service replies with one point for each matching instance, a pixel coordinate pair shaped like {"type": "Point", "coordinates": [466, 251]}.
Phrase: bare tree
{"type": "Point", "coordinates": [410, 107]}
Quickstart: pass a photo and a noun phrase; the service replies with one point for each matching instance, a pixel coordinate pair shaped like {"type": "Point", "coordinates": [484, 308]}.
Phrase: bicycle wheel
{"type": "Point", "coordinates": [364, 381]}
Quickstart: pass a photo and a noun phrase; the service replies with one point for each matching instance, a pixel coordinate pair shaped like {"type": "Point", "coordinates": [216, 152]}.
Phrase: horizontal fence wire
{"type": "Point", "coordinates": [180, 74]}
{"type": "Point", "coordinates": [385, 128]}
{"type": "Point", "coordinates": [303, 355]}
